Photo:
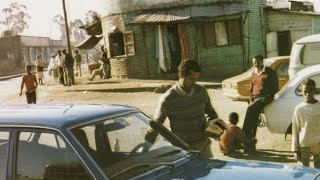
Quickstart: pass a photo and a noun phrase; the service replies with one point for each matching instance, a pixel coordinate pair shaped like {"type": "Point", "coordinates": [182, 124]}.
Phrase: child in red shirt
{"type": "Point", "coordinates": [31, 83]}
{"type": "Point", "coordinates": [233, 137]}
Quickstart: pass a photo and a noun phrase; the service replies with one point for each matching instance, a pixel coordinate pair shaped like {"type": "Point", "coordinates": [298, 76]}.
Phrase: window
{"type": "Point", "coordinates": [129, 43]}
{"type": "Point", "coordinates": [4, 139]}
{"type": "Point", "coordinates": [316, 78]}
{"type": "Point", "coordinates": [222, 33]}
{"type": "Point", "coordinates": [121, 44]}
{"type": "Point", "coordinates": [282, 69]}
{"type": "Point", "coordinates": [46, 155]}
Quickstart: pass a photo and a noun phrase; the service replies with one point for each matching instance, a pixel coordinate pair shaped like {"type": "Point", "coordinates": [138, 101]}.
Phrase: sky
{"type": "Point", "coordinates": [41, 11]}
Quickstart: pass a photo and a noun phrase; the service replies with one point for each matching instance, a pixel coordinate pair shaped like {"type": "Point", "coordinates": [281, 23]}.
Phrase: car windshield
{"type": "Point", "coordinates": [118, 145]}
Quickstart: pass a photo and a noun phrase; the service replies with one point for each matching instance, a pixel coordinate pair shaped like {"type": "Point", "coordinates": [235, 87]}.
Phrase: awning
{"type": "Point", "coordinates": [186, 13]}
{"type": "Point", "coordinates": [89, 42]}
{"type": "Point", "coordinates": [94, 27]}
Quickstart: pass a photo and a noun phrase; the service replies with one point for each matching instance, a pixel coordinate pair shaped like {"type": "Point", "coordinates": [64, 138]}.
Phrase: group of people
{"type": "Point", "coordinates": [60, 66]}
{"type": "Point", "coordinates": [187, 106]}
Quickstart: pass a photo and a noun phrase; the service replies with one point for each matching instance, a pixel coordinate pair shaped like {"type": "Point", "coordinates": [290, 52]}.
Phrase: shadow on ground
{"type": "Point", "coordinates": [267, 155]}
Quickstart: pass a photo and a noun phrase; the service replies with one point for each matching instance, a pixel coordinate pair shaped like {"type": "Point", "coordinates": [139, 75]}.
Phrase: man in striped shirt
{"type": "Point", "coordinates": [186, 105]}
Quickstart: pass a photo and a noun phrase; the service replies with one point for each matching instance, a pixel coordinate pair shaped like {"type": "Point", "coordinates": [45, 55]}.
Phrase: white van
{"type": "Point", "coordinates": [305, 52]}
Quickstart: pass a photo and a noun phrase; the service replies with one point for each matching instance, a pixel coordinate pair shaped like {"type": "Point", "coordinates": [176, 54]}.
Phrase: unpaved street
{"type": "Point", "coordinates": [270, 147]}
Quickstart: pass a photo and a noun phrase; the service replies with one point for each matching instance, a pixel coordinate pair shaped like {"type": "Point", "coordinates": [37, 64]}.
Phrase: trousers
{"type": "Point", "coordinates": [252, 115]}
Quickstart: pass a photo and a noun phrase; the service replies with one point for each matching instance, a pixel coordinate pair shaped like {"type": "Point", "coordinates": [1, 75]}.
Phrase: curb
{"type": "Point", "coordinates": [133, 89]}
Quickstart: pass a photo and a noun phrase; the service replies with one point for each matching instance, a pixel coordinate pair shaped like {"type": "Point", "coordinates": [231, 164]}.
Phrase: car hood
{"type": "Point", "coordinates": [216, 169]}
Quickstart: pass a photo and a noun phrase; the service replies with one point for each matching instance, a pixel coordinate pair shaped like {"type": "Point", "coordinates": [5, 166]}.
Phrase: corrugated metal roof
{"type": "Point", "coordinates": [181, 14]}
{"type": "Point", "coordinates": [89, 42]}
{"type": "Point", "coordinates": [296, 12]}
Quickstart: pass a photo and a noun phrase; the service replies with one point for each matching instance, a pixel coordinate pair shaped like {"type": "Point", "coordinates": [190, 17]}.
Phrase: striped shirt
{"type": "Point", "coordinates": [186, 112]}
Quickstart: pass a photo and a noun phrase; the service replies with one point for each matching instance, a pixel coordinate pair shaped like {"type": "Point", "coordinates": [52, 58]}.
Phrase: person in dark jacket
{"type": "Point", "coordinates": [263, 86]}
{"type": "Point", "coordinates": [68, 61]}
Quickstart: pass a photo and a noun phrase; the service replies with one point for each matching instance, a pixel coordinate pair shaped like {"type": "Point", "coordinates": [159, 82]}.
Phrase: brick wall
{"type": "Point", "coordinates": [215, 61]}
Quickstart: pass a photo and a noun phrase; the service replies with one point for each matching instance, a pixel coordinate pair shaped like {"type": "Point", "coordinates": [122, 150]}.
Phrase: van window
{"type": "Point", "coordinates": [316, 78]}
{"type": "Point", "coordinates": [311, 54]}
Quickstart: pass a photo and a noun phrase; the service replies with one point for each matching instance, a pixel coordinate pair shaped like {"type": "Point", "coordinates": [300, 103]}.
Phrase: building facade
{"type": "Point", "coordinates": [149, 39]}
{"type": "Point", "coordinates": [18, 51]}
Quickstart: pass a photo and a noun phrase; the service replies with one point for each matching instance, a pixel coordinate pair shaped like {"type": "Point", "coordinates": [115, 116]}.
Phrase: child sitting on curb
{"type": "Point", "coordinates": [233, 137]}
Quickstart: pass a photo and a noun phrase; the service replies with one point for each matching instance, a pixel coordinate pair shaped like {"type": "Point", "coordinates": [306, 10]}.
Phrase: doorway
{"type": "Point", "coordinates": [174, 46]}
{"type": "Point", "coordinates": [284, 43]}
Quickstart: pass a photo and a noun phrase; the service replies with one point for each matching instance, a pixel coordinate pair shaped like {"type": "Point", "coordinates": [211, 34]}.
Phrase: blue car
{"type": "Point", "coordinates": [87, 141]}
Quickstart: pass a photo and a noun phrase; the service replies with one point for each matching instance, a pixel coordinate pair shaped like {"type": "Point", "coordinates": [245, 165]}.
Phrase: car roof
{"type": "Point", "coordinates": [276, 58]}
{"type": "Point", "coordinates": [308, 70]}
{"type": "Point", "coordinates": [308, 39]}
{"type": "Point", "coordinates": [57, 115]}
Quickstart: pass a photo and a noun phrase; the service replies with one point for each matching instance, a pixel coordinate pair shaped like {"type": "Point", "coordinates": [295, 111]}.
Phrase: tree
{"type": "Point", "coordinates": [76, 34]}
{"type": "Point", "coordinates": [90, 16]}
{"type": "Point", "coordinates": [16, 18]}
{"type": "Point", "coordinates": [59, 20]}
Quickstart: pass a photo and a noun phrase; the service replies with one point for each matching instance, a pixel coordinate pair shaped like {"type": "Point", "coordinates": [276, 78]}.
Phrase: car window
{"type": "Point", "coordinates": [46, 155]}
{"type": "Point", "coordinates": [316, 78]}
{"type": "Point", "coordinates": [282, 69]}
{"type": "Point", "coordinates": [4, 139]}
{"type": "Point", "coordinates": [119, 143]}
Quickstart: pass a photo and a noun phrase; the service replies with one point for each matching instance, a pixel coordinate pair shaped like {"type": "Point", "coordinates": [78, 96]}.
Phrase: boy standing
{"type": "Point", "coordinates": [233, 137]}
{"type": "Point", "coordinates": [306, 126]}
{"type": "Point", "coordinates": [31, 83]}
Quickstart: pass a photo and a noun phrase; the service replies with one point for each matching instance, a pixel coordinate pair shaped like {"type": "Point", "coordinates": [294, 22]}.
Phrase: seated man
{"type": "Point", "coordinates": [233, 137]}
{"type": "Point", "coordinates": [98, 71]}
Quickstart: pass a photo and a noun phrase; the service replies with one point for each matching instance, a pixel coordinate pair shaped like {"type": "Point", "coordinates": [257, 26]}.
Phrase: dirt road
{"type": "Point", "coordinates": [270, 147]}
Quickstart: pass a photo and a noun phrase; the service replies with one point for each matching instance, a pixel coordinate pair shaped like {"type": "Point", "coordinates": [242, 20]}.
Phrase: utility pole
{"type": "Point", "coordinates": [68, 37]}
{"type": "Point", "coordinates": [67, 26]}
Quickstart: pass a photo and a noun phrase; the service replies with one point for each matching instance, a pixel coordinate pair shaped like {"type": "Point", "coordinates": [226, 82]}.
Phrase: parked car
{"type": "Point", "coordinates": [238, 87]}
{"type": "Point", "coordinates": [278, 113]}
{"type": "Point", "coordinates": [304, 52]}
{"type": "Point", "coordinates": [108, 142]}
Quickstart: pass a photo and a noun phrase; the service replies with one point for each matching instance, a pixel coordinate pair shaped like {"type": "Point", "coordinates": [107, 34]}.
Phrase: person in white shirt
{"type": "Point", "coordinates": [60, 62]}
{"type": "Point", "coordinates": [306, 126]}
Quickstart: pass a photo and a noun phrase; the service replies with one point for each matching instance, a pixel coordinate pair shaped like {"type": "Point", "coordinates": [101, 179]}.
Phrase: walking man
{"type": "Point", "coordinates": [306, 127]}
{"type": "Point", "coordinates": [77, 58]}
{"type": "Point", "coordinates": [39, 66]}
{"type": "Point", "coordinates": [30, 81]}
{"type": "Point", "coordinates": [60, 61]}
{"type": "Point", "coordinates": [68, 62]}
{"type": "Point", "coordinates": [106, 63]}
{"type": "Point", "coordinates": [186, 105]}
{"type": "Point", "coordinates": [263, 87]}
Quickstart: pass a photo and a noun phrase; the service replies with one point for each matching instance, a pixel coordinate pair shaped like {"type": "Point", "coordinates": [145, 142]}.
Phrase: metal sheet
{"type": "Point", "coordinates": [89, 42]}
{"type": "Point", "coordinates": [180, 14]}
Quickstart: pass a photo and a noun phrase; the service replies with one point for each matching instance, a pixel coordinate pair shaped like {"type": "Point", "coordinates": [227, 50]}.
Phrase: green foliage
{"type": "Point", "coordinates": [76, 34]}
{"type": "Point", "coordinates": [16, 18]}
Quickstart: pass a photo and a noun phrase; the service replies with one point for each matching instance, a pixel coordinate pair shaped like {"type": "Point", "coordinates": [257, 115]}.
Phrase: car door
{"type": "Point", "coordinates": [40, 154]}
{"type": "Point", "coordinates": [280, 111]}
{"type": "Point", "coordinates": [4, 153]}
